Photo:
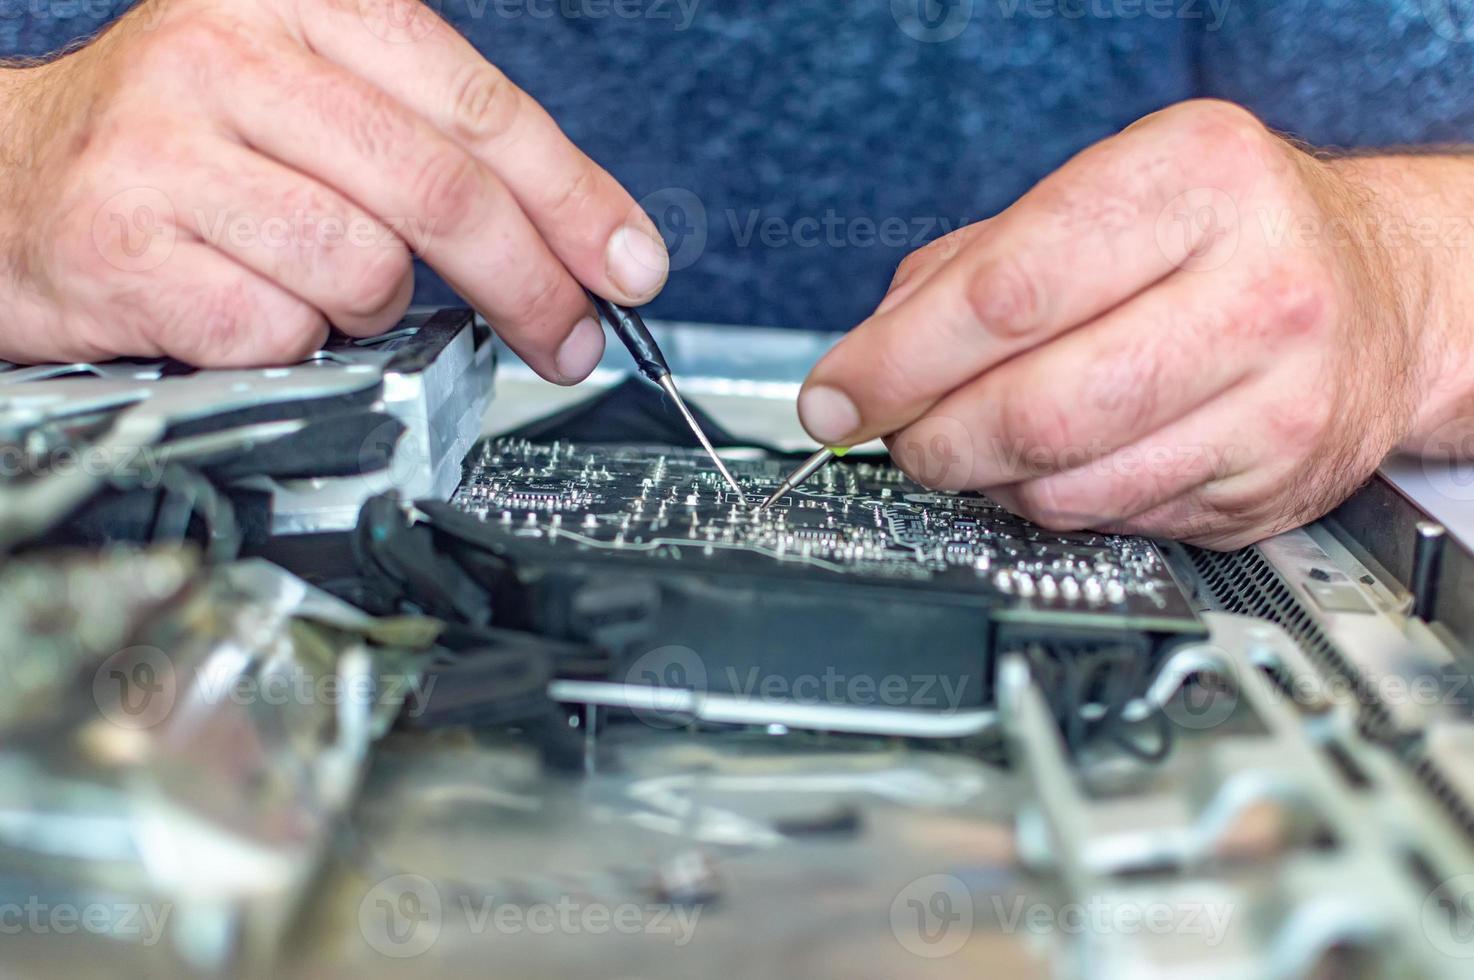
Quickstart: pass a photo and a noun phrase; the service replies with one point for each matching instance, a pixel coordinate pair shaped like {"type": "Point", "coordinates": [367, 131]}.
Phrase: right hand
{"type": "Point", "coordinates": [220, 180]}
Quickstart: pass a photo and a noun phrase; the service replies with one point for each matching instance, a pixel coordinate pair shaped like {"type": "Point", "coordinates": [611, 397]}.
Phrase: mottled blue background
{"type": "Point", "coordinates": [735, 120]}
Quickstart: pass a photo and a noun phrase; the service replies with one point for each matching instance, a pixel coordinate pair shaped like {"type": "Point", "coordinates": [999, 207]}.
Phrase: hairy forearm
{"type": "Point", "coordinates": [1417, 212]}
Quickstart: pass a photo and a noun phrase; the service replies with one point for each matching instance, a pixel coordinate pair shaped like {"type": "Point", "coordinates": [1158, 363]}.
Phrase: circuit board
{"type": "Point", "coordinates": [857, 522]}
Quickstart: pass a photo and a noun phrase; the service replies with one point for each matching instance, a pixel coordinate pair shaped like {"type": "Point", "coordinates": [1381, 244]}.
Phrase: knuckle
{"type": "Point", "coordinates": [378, 280]}
{"type": "Point", "coordinates": [448, 185]}
{"type": "Point", "coordinates": [485, 107]}
{"type": "Point", "coordinates": [1004, 298]}
{"type": "Point", "coordinates": [207, 325]}
{"type": "Point", "coordinates": [890, 382]}
{"type": "Point", "coordinates": [1301, 427]}
{"type": "Point", "coordinates": [221, 317]}
{"type": "Point", "coordinates": [373, 124]}
{"type": "Point", "coordinates": [1227, 138]}
{"type": "Point", "coordinates": [918, 262]}
{"type": "Point", "coordinates": [1113, 498]}
{"type": "Point", "coordinates": [1294, 302]}
{"type": "Point", "coordinates": [542, 298]}
{"type": "Point", "coordinates": [193, 46]}
{"type": "Point", "coordinates": [1035, 425]}
{"type": "Point", "coordinates": [912, 263]}
{"type": "Point", "coordinates": [575, 198]}
{"type": "Point", "coordinates": [1214, 120]}
{"type": "Point", "coordinates": [1124, 384]}
{"type": "Point", "coordinates": [1237, 506]}
{"type": "Point", "coordinates": [1037, 502]}
{"type": "Point", "coordinates": [297, 335]}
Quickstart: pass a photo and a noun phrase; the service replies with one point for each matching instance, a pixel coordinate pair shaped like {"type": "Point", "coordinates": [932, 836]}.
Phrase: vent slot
{"type": "Point", "coordinates": [1243, 582]}
{"type": "Point", "coordinates": [1246, 584]}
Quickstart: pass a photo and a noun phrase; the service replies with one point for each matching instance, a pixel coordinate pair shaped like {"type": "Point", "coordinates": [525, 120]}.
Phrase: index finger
{"type": "Point", "coordinates": [1082, 242]}
{"type": "Point", "coordinates": [589, 221]}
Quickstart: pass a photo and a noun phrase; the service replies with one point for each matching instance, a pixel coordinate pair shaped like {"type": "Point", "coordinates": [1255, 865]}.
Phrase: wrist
{"type": "Point", "coordinates": [23, 101]}
{"type": "Point", "coordinates": [1417, 251]}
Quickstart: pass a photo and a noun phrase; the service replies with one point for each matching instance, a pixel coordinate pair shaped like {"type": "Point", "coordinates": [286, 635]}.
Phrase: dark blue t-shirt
{"type": "Point", "coordinates": [795, 150]}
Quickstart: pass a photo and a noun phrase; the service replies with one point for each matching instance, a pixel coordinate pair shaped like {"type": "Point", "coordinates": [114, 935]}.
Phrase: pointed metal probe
{"type": "Point", "coordinates": [668, 383]}
{"type": "Point", "coordinates": [633, 333]}
{"type": "Point", "coordinates": [806, 469]}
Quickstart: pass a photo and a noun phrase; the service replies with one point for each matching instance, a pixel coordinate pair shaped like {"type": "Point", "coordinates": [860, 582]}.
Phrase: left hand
{"type": "Point", "coordinates": [1191, 330]}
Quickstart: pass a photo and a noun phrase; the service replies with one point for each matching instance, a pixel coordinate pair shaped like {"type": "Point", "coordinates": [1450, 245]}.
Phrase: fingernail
{"type": "Point", "coordinates": [827, 414]}
{"type": "Point", "coordinates": [637, 262]}
{"type": "Point", "coordinates": [580, 353]}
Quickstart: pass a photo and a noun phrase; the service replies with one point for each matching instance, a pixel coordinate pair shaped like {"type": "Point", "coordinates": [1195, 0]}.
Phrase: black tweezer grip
{"type": "Point", "coordinates": [631, 330]}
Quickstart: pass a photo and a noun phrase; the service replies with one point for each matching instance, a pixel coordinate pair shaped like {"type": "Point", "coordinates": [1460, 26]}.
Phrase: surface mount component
{"type": "Point", "coordinates": [861, 570]}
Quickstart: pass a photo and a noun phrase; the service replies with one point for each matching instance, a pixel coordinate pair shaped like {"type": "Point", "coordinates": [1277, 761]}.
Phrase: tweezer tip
{"type": "Point", "coordinates": [777, 496]}
{"type": "Point", "coordinates": [669, 384]}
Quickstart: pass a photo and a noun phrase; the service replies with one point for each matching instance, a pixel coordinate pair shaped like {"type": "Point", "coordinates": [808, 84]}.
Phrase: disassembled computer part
{"type": "Point", "coordinates": [311, 442]}
{"type": "Point", "coordinates": [637, 548]}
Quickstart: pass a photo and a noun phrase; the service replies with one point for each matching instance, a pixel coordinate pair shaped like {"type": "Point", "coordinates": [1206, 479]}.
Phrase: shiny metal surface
{"type": "Point", "coordinates": [1283, 837]}
{"type": "Point", "coordinates": [668, 384]}
{"type": "Point", "coordinates": [799, 476]}
{"type": "Point", "coordinates": [172, 762]}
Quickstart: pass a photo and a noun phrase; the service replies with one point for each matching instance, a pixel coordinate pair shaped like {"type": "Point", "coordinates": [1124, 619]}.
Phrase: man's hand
{"type": "Point", "coordinates": [220, 180]}
{"type": "Point", "coordinates": [1193, 330]}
